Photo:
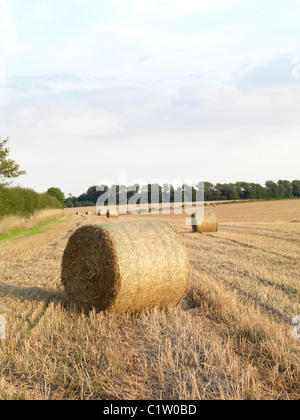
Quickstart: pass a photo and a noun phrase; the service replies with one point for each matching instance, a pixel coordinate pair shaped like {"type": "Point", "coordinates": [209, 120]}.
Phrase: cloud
{"type": "Point", "coordinates": [277, 71]}
{"type": "Point", "coordinates": [72, 141]}
{"type": "Point", "coordinates": [8, 36]}
{"type": "Point", "coordinates": [148, 86]}
{"type": "Point", "coordinates": [144, 59]}
{"type": "Point", "coordinates": [40, 82]}
{"type": "Point", "coordinates": [179, 8]}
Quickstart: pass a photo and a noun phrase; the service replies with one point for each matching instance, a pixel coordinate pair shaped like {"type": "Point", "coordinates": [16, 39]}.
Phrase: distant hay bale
{"type": "Point", "coordinates": [295, 221]}
{"type": "Point", "coordinates": [98, 212]}
{"type": "Point", "coordinates": [109, 214]}
{"type": "Point", "coordinates": [114, 215]}
{"type": "Point", "coordinates": [209, 223]}
{"type": "Point", "coordinates": [125, 267]}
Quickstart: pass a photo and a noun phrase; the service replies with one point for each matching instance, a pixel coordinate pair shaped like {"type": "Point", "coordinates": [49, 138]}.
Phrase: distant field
{"type": "Point", "coordinates": [142, 207]}
{"type": "Point", "coordinates": [231, 338]}
{"type": "Point", "coordinates": [264, 211]}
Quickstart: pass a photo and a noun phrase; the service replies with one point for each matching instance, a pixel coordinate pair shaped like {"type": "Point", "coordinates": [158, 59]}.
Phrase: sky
{"type": "Point", "coordinates": [160, 90]}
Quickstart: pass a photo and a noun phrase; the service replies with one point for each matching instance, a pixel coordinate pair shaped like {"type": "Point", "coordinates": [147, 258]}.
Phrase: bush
{"type": "Point", "coordinates": [57, 193]}
{"type": "Point", "coordinates": [24, 202]}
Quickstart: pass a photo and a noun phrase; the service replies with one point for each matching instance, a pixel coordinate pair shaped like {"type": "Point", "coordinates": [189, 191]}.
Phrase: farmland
{"type": "Point", "coordinates": [231, 337]}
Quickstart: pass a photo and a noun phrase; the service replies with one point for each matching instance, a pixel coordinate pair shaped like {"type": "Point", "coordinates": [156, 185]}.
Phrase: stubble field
{"type": "Point", "coordinates": [231, 337]}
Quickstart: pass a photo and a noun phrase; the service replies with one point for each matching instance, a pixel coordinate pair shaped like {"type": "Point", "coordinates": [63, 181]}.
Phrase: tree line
{"type": "Point", "coordinates": [166, 193]}
{"type": "Point", "coordinates": [25, 201]}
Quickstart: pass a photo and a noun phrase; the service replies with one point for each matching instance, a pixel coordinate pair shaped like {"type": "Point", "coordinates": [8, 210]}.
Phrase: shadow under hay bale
{"type": "Point", "coordinates": [208, 224]}
{"type": "Point", "coordinates": [125, 267]}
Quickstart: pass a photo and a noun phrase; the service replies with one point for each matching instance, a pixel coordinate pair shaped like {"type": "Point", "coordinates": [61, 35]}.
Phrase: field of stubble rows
{"type": "Point", "coordinates": [231, 338]}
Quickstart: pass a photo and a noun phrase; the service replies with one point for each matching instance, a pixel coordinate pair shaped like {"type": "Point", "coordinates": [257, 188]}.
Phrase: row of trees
{"type": "Point", "coordinates": [251, 191]}
{"type": "Point", "coordinates": [25, 201]}
{"type": "Point", "coordinates": [121, 194]}
{"type": "Point", "coordinates": [167, 193]}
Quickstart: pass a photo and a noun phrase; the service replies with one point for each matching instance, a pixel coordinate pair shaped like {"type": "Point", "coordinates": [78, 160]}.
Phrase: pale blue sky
{"type": "Point", "coordinates": [165, 89]}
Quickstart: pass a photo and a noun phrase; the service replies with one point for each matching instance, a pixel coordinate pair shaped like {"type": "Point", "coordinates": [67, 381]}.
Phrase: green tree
{"type": "Point", "coordinates": [218, 193]}
{"type": "Point", "coordinates": [166, 193]}
{"type": "Point", "coordinates": [172, 193]}
{"type": "Point", "coordinates": [272, 189]}
{"type": "Point", "coordinates": [57, 193]}
{"type": "Point", "coordinates": [286, 188]}
{"type": "Point", "coordinates": [231, 192]}
{"type": "Point", "coordinates": [221, 191]}
{"type": "Point", "coordinates": [208, 191]}
{"type": "Point", "coordinates": [296, 188]}
{"type": "Point", "coordinates": [8, 167]}
{"type": "Point", "coordinates": [239, 189]}
{"type": "Point", "coordinates": [261, 192]}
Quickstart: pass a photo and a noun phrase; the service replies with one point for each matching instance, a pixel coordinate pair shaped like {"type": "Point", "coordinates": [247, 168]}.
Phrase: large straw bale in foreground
{"type": "Point", "coordinates": [125, 267]}
{"type": "Point", "coordinates": [208, 224]}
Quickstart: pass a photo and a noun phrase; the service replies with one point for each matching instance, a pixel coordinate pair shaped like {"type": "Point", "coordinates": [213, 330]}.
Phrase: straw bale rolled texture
{"type": "Point", "coordinates": [125, 267]}
{"type": "Point", "coordinates": [209, 223]}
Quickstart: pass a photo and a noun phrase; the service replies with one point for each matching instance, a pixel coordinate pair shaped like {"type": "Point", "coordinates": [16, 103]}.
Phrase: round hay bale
{"type": "Point", "coordinates": [209, 223]}
{"type": "Point", "coordinates": [125, 267]}
{"type": "Point", "coordinates": [114, 215]}
{"type": "Point", "coordinates": [99, 212]}
{"type": "Point", "coordinates": [109, 214]}
{"type": "Point", "coordinates": [193, 223]}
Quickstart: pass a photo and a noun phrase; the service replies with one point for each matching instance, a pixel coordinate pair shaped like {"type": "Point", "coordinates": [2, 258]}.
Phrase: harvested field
{"type": "Point", "coordinates": [231, 337]}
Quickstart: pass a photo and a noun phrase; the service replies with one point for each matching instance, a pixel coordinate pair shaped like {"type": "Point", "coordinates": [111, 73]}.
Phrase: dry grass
{"type": "Point", "coordinates": [11, 222]}
{"type": "Point", "coordinates": [230, 339]}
